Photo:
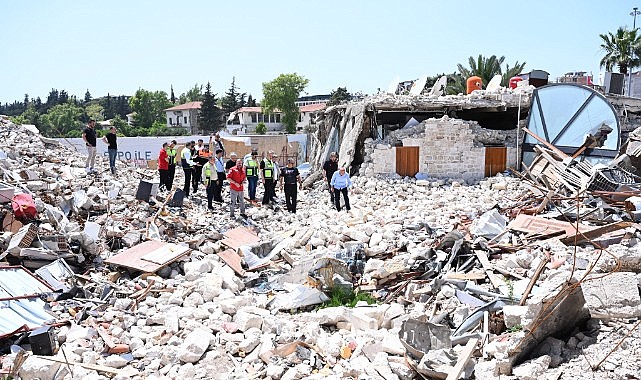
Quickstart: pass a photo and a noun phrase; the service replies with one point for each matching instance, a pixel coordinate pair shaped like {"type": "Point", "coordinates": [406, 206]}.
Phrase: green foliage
{"type": "Point", "coordinates": [194, 94]}
{"type": "Point", "coordinates": [61, 119]}
{"type": "Point", "coordinates": [95, 111]}
{"type": "Point", "coordinates": [209, 116]}
{"type": "Point", "coordinates": [338, 96]}
{"type": "Point", "coordinates": [149, 107]}
{"type": "Point", "coordinates": [515, 328]}
{"type": "Point", "coordinates": [484, 67]}
{"type": "Point", "coordinates": [261, 128]}
{"type": "Point", "coordinates": [232, 100]}
{"type": "Point", "coordinates": [340, 296]}
{"type": "Point", "coordinates": [251, 102]}
{"type": "Point", "coordinates": [281, 94]}
{"type": "Point", "coordinates": [621, 49]}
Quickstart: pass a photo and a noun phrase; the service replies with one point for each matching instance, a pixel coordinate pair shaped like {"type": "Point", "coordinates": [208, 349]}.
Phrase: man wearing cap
{"type": "Point", "coordinates": [251, 169]}
{"type": "Point", "coordinates": [289, 177]}
{"type": "Point", "coordinates": [267, 173]}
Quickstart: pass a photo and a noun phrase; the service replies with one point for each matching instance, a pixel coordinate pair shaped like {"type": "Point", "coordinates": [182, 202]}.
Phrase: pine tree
{"type": "Point", "coordinates": [87, 96]}
{"type": "Point", "coordinates": [172, 97]}
{"type": "Point", "coordinates": [251, 102]}
{"type": "Point", "coordinates": [209, 116]}
{"type": "Point", "coordinates": [63, 97]}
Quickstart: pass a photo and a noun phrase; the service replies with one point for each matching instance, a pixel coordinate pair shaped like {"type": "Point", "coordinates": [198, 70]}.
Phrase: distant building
{"type": "Point", "coordinates": [130, 118]}
{"type": "Point", "coordinates": [245, 120]}
{"type": "Point", "coordinates": [184, 116]}
{"type": "Point", "coordinates": [312, 99]}
{"type": "Point", "coordinates": [576, 77]}
{"type": "Point", "coordinates": [308, 113]}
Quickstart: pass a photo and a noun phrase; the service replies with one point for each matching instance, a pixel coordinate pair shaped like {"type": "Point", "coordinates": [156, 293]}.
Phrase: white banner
{"type": "Point", "coordinates": [141, 148]}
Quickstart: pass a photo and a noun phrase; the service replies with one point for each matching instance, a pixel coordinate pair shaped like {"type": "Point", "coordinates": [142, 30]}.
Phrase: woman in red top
{"type": "Point", "coordinates": [236, 177]}
{"type": "Point", "coordinates": [163, 168]}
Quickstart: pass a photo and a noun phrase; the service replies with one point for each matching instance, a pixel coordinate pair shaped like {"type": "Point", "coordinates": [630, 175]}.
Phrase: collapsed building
{"type": "Point", "coordinates": [450, 274]}
{"type": "Point", "coordinates": [454, 136]}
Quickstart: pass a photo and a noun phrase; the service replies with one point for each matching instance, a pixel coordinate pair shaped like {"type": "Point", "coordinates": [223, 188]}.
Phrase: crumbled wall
{"type": "Point", "coordinates": [448, 148]}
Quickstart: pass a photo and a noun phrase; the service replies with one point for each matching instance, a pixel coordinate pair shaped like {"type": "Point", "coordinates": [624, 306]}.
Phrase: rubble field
{"type": "Point", "coordinates": [422, 279]}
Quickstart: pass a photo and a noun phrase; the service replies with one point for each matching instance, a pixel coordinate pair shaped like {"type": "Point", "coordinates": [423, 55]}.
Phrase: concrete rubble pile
{"type": "Point", "coordinates": [427, 278]}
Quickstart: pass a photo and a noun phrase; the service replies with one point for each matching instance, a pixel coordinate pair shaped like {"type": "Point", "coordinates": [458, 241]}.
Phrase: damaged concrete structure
{"type": "Point", "coordinates": [438, 136]}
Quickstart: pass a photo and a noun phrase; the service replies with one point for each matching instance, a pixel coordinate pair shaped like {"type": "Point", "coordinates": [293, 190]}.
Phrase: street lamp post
{"type": "Point", "coordinates": [634, 13]}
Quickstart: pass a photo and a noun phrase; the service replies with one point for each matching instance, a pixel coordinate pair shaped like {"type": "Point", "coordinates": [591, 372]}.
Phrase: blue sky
{"type": "Point", "coordinates": [119, 46]}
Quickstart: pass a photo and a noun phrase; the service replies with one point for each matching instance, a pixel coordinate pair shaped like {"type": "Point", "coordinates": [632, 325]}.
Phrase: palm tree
{"type": "Point", "coordinates": [486, 68]}
{"type": "Point", "coordinates": [621, 49]}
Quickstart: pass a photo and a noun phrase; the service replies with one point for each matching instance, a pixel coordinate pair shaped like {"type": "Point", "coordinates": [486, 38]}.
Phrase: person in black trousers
{"type": "Point", "coordinates": [220, 176]}
{"type": "Point", "coordinates": [288, 178]}
{"type": "Point", "coordinates": [171, 152]}
{"type": "Point", "coordinates": [329, 167]}
{"type": "Point", "coordinates": [267, 172]}
{"type": "Point", "coordinates": [187, 164]}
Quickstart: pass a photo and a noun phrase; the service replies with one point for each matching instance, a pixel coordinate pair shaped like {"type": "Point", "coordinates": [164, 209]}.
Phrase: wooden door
{"type": "Point", "coordinates": [495, 160]}
{"type": "Point", "coordinates": [407, 160]}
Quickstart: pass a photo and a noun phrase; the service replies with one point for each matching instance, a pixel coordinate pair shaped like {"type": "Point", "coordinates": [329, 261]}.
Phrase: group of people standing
{"type": "Point", "coordinates": [201, 165]}
{"type": "Point", "coordinates": [90, 140]}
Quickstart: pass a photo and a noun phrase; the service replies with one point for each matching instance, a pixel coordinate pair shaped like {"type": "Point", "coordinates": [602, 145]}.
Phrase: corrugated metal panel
{"type": "Point", "coordinates": [17, 282]}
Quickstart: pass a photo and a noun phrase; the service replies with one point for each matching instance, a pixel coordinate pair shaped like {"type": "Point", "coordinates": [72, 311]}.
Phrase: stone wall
{"type": "Point", "coordinates": [448, 149]}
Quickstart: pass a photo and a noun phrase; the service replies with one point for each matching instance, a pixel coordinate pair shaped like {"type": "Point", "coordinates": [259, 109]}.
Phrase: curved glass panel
{"type": "Point", "coordinates": [568, 113]}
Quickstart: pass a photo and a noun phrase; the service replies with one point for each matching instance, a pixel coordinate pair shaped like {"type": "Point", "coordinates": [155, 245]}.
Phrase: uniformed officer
{"type": "Point", "coordinates": [267, 177]}
{"type": "Point", "coordinates": [251, 168]}
{"type": "Point", "coordinates": [209, 172]}
{"type": "Point", "coordinates": [171, 153]}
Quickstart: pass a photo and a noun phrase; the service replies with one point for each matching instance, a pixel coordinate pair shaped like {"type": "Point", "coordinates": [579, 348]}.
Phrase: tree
{"type": "Point", "coordinates": [261, 128]}
{"type": "Point", "coordinates": [338, 96]}
{"type": "Point", "coordinates": [194, 94]}
{"type": "Point", "coordinates": [87, 96]}
{"type": "Point", "coordinates": [61, 119]}
{"type": "Point", "coordinates": [63, 97]}
{"type": "Point", "coordinates": [484, 67]}
{"type": "Point", "coordinates": [149, 107]}
{"type": "Point", "coordinates": [251, 102]}
{"type": "Point", "coordinates": [209, 116]}
{"type": "Point", "coordinates": [281, 94]}
{"type": "Point", "coordinates": [95, 111]}
{"type": "Point", "coordinates": [621, 49]}
{"type": "Point", "coordinates": [232, 100]}
{"type": "Point", "coordinates": [172, 96]}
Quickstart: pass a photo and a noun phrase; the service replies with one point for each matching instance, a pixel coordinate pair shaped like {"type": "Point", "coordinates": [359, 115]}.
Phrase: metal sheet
{"type": "Point", "coordinates": [544, 227]}
{"type": "Point", "coordinates": [19, 282]}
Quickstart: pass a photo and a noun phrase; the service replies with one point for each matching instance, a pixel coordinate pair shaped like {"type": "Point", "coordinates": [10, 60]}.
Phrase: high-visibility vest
{"type": "Point", "coordinates": [204, 153]}
{"type": "Point", "coordinates": [252, 168]}
{"type": "Point", "coordinates": [268, 172]}
{"type": "Point", "coordinates": [172, 156]}
{"type": "Point", "coordinates": [207, 171]}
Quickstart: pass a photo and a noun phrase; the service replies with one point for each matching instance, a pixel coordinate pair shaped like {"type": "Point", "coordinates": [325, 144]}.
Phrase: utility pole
{"type": "Point", "coordinates": [634, 13]}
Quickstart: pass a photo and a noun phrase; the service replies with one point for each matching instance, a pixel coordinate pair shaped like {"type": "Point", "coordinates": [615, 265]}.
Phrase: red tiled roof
{"type": "Point", "coordinates": [186, 106]}
{"type": "Point", "coordinates": [313, 107]}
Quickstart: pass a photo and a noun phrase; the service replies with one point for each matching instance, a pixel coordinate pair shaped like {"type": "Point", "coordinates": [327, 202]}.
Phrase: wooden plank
{"type": "Point", "coordinates": [595, 233]}
{"type": "Point", "coordinates": [134, 257]}
{"type": "Point", "coordinates": [232, 259]}
{"type": "Point", "coordinates": [99, 368]}
{"type": "Point", "coordinates": [463, 359]}
{"type": "Point", "coordinates": [485, 262]}
{"type": "Point", "coordinates": [465, 276]}
{"type": "Point", "coordinates": [545, 227]}
{"type": "Point", "coordinates": [239, 236]}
